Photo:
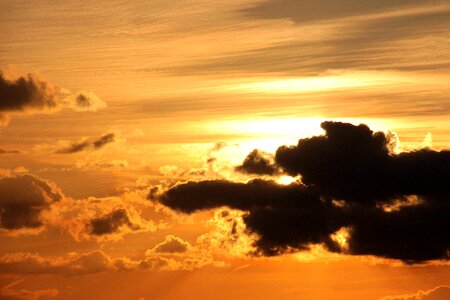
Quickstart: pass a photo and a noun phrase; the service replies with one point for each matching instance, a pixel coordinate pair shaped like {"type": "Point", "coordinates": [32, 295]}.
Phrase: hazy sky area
{"type": "Point", "coordinates": [127, 137]}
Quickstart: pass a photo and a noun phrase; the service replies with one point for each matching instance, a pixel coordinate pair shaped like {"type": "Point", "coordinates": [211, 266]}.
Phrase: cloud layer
{"type": "Point", "coordinates": [390, 205]}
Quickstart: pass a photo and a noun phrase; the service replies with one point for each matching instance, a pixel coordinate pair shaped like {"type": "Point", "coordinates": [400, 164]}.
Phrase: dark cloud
{"type": "Point", "coordinates": [353, 163]}
{"type": "Point", "coordinates": [29, 94]}
{"type": "Point", "coordinates": [103, 140]}
{"type": "Point", "coordinates": [283, 216]}
{"type": "Point", "coordinates": [85, 101]}
{"type": "Point", "coordinates": [74, 148]}
{"type": "Point", "coordinates": [258, 162]}
{"type": "Point", "coordinates": [88, 144]}
{"type": "Point", "coordinates": [22, 199]}
{"type": "Point", "coordinates": [111, 222]}
{"type": "Point", "coordinates": [26, 93]}
{"type": "Point", "coordinates": [392, 205]}
{"type": "Point", "coordinates": [7, 151]}
{"type": "Point", "coordinates": [171, 245]}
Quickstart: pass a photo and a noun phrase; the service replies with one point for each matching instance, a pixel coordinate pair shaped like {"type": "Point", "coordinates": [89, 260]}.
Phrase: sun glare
{"type": "Point", "coordinates": [286, 180]}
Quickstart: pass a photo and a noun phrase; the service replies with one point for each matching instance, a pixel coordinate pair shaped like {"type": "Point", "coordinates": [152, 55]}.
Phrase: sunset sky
{"type": "Point", "coordinates": [240, 149]}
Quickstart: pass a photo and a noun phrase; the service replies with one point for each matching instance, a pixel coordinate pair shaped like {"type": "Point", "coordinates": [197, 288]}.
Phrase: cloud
{"type": "Point", "coordinates": [355, 36]}
{"type": "Point", "coordinates": [22, 200]}
{"type": "Point", "coordinates": [103, 140]}
{"type": "Point", "coordinates": [171, 245]}
{"type": "Point", "coordinates": [8, 151]}
{"type": "Point", "coordinates": [27, 94]}
{"type": "Point", "coordinates": [227, 238]}
{"type": "Point", "coordinates": [70, 265]}
{"type": "Point", "coordinates": [219, 146]}
{"type": "Point", "coordinates": [9, 292]}
{"type": "Point", "coordinates": [390, 205]}
{"type": "Point", "coordinates": [258, 162]}
{"type": "Point", "coordinates": [282, 216]}
{"type": "Point", "coordinates": [85, 144]}
{"type": "Point", "coordinates": [160, 263]}
{"type": "Point", "coordinates": [31, 95]}
{"type": "Point", "coordinates": [306, 11]}
{"type": "Point", "coordinates": [107, 219]}
{"type": "Point", "coordinates": [111, 222]}
{"type": "Point", "coordinates": [438, 293]}
{"type": "Point", "coordinates": [29, 205]}
{"type": "Point", "coordinates": [85, 101]}
{"type": "Point", "coordinates": [100, 219]}
{"type": "Point", "coordinates": [355, 164]}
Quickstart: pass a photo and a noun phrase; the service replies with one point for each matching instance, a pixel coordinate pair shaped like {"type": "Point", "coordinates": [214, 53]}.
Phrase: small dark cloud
{"type": "Point", "coordinates": [392, 205]}
{"type": "Point", "coordinates": [219, 146]}
{"type": "Point", "coordinates": [85, 101]}
{"type": "Point", "coordinates": [111, 222]}
{"type": "Point", "coordinates": [74, 148]}
{"type": "Point", "coordinates": [8, 151]}
{"type": "Point", "coordinates": [22, 199]}
{"type": "Point", "coordinates": [258, 162]}
{"type": "Point", "coordinates": [88, 144]}
{"type": "Point", "coordinates": [171, 245]}
{"type": "Point", "coordinates": [103, 140]}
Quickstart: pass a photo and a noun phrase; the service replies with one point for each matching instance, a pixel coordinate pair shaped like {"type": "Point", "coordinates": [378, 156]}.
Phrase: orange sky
{"type": "Point", "coordinates": [103, 103]}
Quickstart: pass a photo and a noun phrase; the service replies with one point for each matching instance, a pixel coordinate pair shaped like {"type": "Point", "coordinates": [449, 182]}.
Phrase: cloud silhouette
{"type": "Point", "coordinates": [27, 94]}
{"type": "Point", "coordinates": [9, 151]}
{"type": "Point", "coordinates": [31, 95]}
{"type": "Point", "coordinates": [22, 199]}
{"type": "Point", "coordinates": [258, 162]}
{"type": "Point", "coordinates": [111, 222]}
{"type": "Point", "coordinates": [391, 205]}
{"type": "Point", "coordinates": [85, 144]}
{"type": "Point", "coordinates": [355, 164]}
{"type": "Point", "coordinates": [85, 101]}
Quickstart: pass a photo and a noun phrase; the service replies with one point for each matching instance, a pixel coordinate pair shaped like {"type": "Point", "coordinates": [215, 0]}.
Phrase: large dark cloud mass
{"type": "Point", "coordinates": [393, 205]}
{"type": "Point", "coordinates": [22, 199]}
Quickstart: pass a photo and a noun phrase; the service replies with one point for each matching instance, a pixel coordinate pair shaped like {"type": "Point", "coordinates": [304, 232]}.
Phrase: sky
{"type": "Point", "coordinates": [198, 149]}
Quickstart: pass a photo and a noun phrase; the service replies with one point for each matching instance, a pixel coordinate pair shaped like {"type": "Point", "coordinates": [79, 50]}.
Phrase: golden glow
{"type": "Point", "coordinates": [178, 80]}
{"type": "Point", "coordinates": [286, 180]}
{"type": "Point", "coordinates": [397, 204]}
{"type": "Point", "coordinates": [333, 81]}
{"type": "Point", "coordinates": [341, 237]}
